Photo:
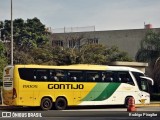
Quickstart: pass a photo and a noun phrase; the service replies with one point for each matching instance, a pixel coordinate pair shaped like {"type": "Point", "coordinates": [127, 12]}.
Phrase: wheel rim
{"type": "Point", "coordinates": [46, 104]}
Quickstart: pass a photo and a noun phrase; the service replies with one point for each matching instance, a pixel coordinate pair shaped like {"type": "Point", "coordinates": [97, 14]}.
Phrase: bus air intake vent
{"type": "Point", "coordinates": [7, 84]}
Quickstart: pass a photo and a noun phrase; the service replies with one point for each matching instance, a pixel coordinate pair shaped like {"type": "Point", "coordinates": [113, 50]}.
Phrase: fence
{"type": "Point", "coordinates": [73, 29]}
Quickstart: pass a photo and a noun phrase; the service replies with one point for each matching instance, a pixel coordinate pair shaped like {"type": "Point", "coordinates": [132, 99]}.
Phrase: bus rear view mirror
{"type": "Point", "coordinates": [150, 80]}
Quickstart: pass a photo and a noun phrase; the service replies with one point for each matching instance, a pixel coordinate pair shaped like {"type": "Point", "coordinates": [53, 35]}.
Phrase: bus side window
{"type": "Point", "coordinates": [61, 75]}
{"type": "Point", "coordinates": [27, 74]}
{"type": "Point", "coordinates": [53, 76]}
{"type": "Point", "coordinates": [41, 75]}
{"type": "Point", "coordinates": [124, 77]}
{"type": "Point", "coordinates": [108, 76]}
{"type": "Point", "coordinates": [75, 76]}
{"type": "Point", "coordinates": [93, 76]}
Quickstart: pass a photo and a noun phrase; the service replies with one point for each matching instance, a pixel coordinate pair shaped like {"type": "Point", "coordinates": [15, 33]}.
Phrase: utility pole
{"type": "Point", "coordinates": [11, 36]}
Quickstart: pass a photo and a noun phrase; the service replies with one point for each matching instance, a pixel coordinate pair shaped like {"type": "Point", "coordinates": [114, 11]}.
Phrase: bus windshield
{"type": "Point", "coordinates": [142, 81]}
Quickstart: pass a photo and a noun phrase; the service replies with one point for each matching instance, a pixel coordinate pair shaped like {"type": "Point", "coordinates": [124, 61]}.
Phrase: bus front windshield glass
{"type": "Point", "coordinates": [142, 83]}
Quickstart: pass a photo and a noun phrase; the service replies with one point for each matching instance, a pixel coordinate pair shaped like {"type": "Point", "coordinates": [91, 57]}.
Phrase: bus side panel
{"type": "Point", "coordinates": [73, 92]}
{"type": "Point", "coordinates": [43, 91]}
{"type": "Point", "coordinates": [104, 94]}
{"type": "Point", "coordinates": [81, 94]}
{"type": "Point", "coordinates": [25, 93]}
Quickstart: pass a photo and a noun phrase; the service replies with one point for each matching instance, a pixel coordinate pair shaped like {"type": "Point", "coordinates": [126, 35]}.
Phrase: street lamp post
{"type": "Point", "coordinates": [11, 36]}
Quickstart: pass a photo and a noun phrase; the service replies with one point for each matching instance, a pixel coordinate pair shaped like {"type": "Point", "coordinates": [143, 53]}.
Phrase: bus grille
{"type": "Point", "coordinates": [7, 84]}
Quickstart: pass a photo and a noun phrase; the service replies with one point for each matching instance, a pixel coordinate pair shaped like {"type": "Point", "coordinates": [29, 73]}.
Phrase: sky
{"type": "Point", "coordinates": [103, 14]}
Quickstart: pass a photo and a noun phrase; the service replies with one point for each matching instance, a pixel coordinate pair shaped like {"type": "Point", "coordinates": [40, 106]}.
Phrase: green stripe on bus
{"type": "Point", "coordinates": [109, 90]}
{"type": "Point", "coordinates": [101, 91]}
{"type": "Point", "coordinates": [95, 92]}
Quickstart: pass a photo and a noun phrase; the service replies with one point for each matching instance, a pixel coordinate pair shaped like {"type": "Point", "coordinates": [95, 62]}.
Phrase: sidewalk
{"type": "Point", "coordinates": [6, 107]}
{"type": "Point", "coordinates": [152, 104]}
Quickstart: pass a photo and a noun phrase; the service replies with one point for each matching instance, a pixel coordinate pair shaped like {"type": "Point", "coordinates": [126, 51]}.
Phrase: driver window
{"type": "Point", "coordinates": [144, 85]}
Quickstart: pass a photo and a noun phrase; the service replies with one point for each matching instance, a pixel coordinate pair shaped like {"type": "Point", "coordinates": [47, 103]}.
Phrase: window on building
{"type": "Point", "coordinates": [93, 41]}
{"type": "Point", "coordinates": [72, 43]}
{"type": "Point", "coordinates": [57, 43]}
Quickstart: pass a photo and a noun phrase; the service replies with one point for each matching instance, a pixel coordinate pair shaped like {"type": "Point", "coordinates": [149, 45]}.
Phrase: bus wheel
{"type": "Point", "coordinates": [46, 104]}
{"type": "Point", "coordinates": [61, 103]}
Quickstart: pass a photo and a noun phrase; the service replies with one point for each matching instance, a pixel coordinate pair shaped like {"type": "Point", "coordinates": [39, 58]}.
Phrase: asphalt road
{"type": "Point", "coordinates": [95, 113]}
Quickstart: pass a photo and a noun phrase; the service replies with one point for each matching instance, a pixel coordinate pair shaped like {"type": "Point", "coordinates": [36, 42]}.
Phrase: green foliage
{"type": "Point", "coordinates": [150, 52]}
{"type": "Point", "coordinates": [93, 54]}
{"type": "Point", "coordinates": [42, 55]}
{"type": "Point", "coordinates": [3, 60]}
{"type": "Point", "coordinates": [114, 54]}
{"type": "Point", "coordinates": [32, 46]}
{"type": "Point", "coordinates": [27, 34]}
{"type": "Point", "coordinates": [150, 47]}
{"type": "Point", "coordinates": [89, 54]}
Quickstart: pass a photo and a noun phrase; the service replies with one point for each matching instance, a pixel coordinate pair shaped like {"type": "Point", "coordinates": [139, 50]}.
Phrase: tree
{"type": "Point", "coordinates": [93, 54]}
{"type": "Point", "coordinates": [156, 72]}
{"type": "Point", "coordinates": [3, 60]}
{"type": "Point", "coordinates": [150, 47]}
{"type": "Point", "coordinates": [31, 46]}
{"type": "Point", "coordinates": [88, 54]}
{"type": "Point", "coordinates": [114, 54]}
{"type": "Point", "coordinates": [99, 54]}
{"type": "Point", "coordinates": [28, 35]}
{"type": "Point", "coordinates": [43, 55]}
{"type": "Point", "coordinates": [150, 52]}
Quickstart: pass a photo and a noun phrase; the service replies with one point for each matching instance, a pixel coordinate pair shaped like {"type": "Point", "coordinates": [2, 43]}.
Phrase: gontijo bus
{"type": "Point", "coordinates": [73, 85]}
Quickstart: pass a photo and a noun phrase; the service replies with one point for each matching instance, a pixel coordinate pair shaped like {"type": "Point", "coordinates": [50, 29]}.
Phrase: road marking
{"type": "Point", "coordinates": [120, 109]}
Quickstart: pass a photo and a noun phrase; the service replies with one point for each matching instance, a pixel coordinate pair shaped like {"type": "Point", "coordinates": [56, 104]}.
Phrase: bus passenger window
{"type": "Point", "coordinates": [61, 75]}
{"type": "Point", "coordinates": [41, 75]}
{"type": "Point", "coordinates": [27, 74]}
{"type": "Point", "coordinates": [125, 77]}
{"type": "Point", "coordinates": [93, 76]}
{"type": "Point", "coordinates": [75, 76]}
{"type": "Point", "coordinates": [53, 76]}
{"type": "Point", "coordinates": [108, 77]}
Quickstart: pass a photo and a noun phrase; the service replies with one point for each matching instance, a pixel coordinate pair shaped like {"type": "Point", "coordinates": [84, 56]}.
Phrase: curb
{"type": "Point", "coordinates": [149, 105]}
{"type": "Point", "coordinates": [5, 107]}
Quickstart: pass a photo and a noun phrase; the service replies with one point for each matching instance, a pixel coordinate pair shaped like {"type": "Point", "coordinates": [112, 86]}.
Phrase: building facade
{"type": "Point", "coordinates": [126, 40]}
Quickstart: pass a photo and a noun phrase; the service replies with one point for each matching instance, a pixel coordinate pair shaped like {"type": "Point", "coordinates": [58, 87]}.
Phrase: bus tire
{"type": "Point", "coordinates": [61, 103]}
{"type": "Point", "coordinates": [46, 104]}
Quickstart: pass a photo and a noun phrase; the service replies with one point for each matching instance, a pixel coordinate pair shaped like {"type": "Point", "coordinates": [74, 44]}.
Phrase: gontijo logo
{"type": "Point", "coordinates": [7, 70]}
{"type": "Point", "coordinates": [65, 86]}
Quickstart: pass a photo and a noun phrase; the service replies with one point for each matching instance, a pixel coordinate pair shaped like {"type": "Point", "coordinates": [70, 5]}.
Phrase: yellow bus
{"type": "Point", "coordinates": [73, 85]}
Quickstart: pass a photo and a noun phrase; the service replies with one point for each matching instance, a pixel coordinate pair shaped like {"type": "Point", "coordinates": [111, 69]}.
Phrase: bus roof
{"type": "Point", "coordinates": [123, 68]}
{"type": "Point", "coordinates": [76, 66]}
{"type": "Point", "coordinates": [82, 67]}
